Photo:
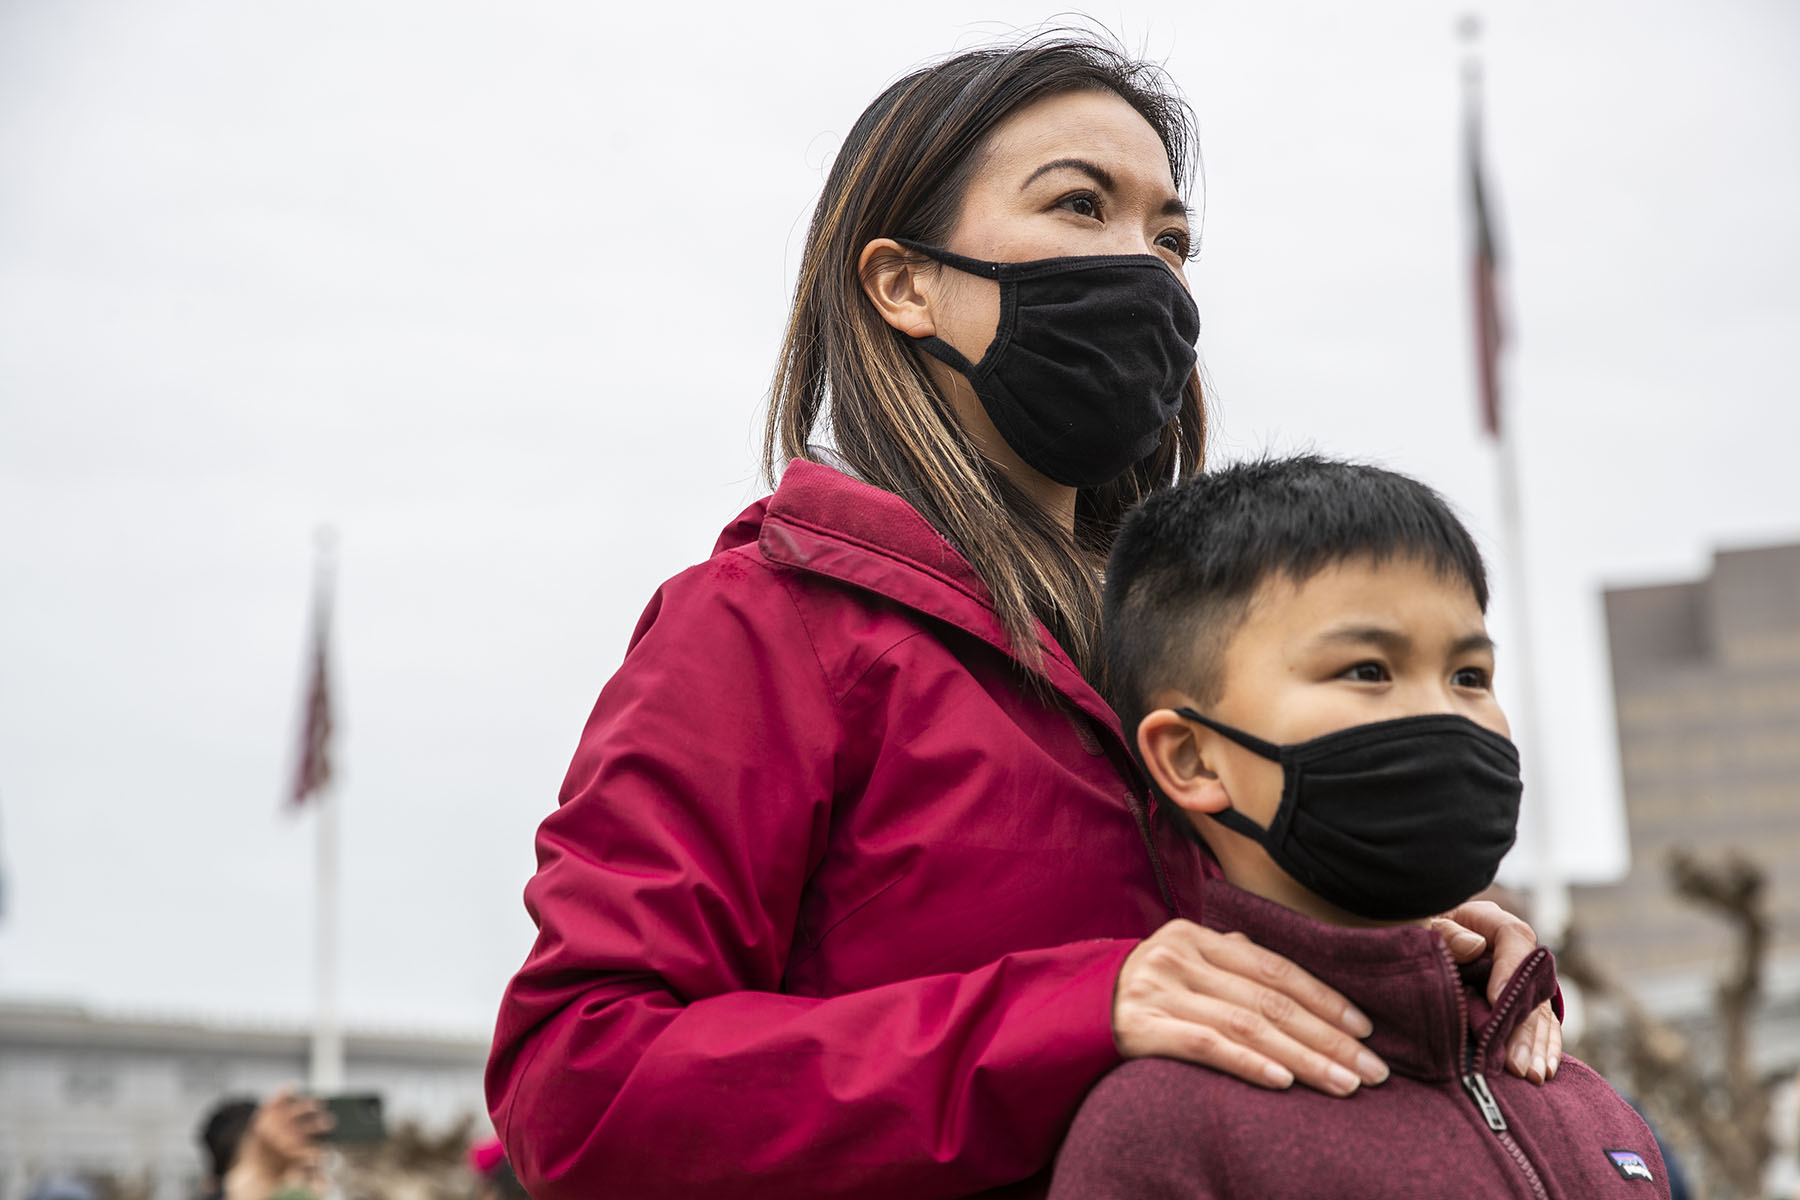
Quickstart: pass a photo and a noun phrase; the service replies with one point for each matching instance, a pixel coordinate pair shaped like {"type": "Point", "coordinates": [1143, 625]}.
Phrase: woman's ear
{"type": "Point", "coordinates": [1176, 752]}
{"type": "Point", "coordinates": [897, 287]}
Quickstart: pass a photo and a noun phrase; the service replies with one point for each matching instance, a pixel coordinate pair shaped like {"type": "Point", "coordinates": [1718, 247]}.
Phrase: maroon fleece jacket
{"type": "Point", "coordinates": [1449, 1121]}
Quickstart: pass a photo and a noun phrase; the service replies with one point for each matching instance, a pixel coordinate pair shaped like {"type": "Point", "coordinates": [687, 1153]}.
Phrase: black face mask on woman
{"type": "Point", "coordinates": [1391, 821]}
{"type": "Point", "coordinates": [1089, 361]}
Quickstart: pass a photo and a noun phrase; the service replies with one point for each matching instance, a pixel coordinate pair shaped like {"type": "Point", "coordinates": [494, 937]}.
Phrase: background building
{"type": "Point", "coordinates": [82, 1094]}
{"type": "Point", "coordinates": [1706, 679]}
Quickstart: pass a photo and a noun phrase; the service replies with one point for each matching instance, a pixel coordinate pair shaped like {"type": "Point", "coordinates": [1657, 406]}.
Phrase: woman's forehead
{"type": "Point", "coordinates": [1095, 126]}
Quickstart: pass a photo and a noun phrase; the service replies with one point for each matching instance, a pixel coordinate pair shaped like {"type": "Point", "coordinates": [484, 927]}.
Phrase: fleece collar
{"type": "Point", "coordinates": [1426, 1010]}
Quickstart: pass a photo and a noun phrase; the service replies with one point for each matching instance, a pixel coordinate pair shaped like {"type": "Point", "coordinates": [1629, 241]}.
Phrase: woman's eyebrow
{"type": "Point", "coordinates": [1172, 207]}
{"type": "Point", "coordinates": [1099, 174]}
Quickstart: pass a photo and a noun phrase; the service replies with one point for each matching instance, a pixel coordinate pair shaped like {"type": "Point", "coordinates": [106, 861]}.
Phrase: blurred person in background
{"type": "Point", "coordinates": [220, 1133]}
{"type": "Point", "coordinates": [266, 1151]}
{"type": "Point", "coordinates": [855, 887]}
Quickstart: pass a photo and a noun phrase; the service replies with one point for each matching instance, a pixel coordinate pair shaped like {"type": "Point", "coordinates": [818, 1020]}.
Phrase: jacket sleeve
{"type": "Point", "coordinates": [646, 1048]}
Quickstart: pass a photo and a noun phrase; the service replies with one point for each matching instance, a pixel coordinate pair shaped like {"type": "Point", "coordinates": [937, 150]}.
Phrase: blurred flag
{"type": "Point", "coordinates": [312, 770]}
{"type": "Point", "coordinates": [1489, 330]}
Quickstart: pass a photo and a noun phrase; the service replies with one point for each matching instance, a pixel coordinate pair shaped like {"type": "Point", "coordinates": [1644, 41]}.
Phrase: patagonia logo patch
{"type": "Point", "coordinates": [1629, 1164]}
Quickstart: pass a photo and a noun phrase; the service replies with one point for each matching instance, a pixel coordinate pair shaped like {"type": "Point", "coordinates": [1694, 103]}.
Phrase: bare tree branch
{"type": "Point", "coordinates": [1725, 1115]}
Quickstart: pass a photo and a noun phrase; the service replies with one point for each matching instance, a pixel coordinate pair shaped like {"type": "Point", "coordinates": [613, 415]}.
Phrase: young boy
{"type": "Point", "coordinates": [1301, 649]}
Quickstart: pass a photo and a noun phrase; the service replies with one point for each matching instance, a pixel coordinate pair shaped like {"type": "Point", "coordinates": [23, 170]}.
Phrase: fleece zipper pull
{"type": "Point", "coordinates": [1484, 1100]}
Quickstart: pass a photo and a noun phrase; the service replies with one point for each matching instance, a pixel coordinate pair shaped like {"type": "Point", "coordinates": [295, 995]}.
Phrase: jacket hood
{"type": "Point", "coordinates": [1425, 1009]}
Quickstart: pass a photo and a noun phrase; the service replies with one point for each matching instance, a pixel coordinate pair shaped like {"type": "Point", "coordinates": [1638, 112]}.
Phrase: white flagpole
{"type": "Point", "coordinates": [1550, 892]}
{"type": "Point", "coordinates": [325, 1071]}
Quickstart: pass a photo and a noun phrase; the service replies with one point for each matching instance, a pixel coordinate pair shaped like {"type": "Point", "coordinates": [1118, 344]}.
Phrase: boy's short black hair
{"type": "Point", "coordinates": [1188, 560]}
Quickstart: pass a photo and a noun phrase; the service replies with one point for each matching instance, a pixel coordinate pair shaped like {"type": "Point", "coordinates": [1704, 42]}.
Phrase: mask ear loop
{"type": "Point", "coordinates": [947, 354]}
{"type": "Point", "coordinates": [936, 346]}
{"type": "Point", "coordinates": [950, 258]}
{"type": "Point", "coordinates": [1250, 742]}
{"type": "Point", "coordinates": [1231, 818]}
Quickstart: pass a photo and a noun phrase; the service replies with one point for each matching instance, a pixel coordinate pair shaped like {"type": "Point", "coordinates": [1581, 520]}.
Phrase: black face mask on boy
{"type": "Point", "coordinates": [1088, 364]}
{"type": "Point", "coordinates": [1390, 821]}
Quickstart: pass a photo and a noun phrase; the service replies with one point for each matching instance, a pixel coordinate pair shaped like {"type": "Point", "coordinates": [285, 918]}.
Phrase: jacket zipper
{"type": "Point", "coordinates": [1477, 1087]}
{"type": "Point", "coordinates": [1475, 1083]}
{"type": "Point", "coordinates": [1140, 812]}
{"type": "Point", "coordinates": [1138, 801]}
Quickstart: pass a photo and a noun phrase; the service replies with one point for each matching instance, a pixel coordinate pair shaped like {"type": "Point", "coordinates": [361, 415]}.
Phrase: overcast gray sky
{"type": "Point", "coordinates": [496, 289]}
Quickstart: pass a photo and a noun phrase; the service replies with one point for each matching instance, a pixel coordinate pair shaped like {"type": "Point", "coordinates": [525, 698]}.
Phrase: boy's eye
{"type": "Point", "coordinates": [1366, 672]}
{"type": "Point", "coordinates": [1474, 678]}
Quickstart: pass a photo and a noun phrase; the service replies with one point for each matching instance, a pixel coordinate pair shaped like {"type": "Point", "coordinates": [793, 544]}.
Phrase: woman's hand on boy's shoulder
{"type": "Point", "coordinates": [1535, 1048]}
{"type": "Point", "coordinates": [1220, 1000]}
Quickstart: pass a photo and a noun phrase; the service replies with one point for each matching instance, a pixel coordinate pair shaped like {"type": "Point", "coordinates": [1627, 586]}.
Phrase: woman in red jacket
{"type": "Point", "coordinates": [855, 888]}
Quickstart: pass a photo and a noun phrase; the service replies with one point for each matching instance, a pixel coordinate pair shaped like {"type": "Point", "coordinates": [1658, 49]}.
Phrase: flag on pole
{"type": "Point", "coordinates": [312, 779]}
{"type": "Point", "coordinates": [312, 770]}
{"type": "Point", "coordinates": [1490, 330]}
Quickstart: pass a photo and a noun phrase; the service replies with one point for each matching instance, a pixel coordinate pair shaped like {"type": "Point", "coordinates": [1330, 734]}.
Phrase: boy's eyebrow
{"type": "Point", "coordinates": [1393, 641]}
{"type": "Point", "coordinates": [1387, 639]}
{"type": "Point", "coordinates": [1471, 643]}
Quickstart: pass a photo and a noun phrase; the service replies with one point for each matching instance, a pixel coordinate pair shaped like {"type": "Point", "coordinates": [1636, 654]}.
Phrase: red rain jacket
{"type": "Point", "coordinates": [833, 903]}
{"type": "Point", "coordinates": [1449, 1121]}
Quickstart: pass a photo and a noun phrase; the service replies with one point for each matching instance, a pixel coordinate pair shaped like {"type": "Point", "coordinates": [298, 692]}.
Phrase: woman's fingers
{"type": "Point", "coordinates": [1512, 939]}
{"type": "Point", "coordinates": [1305, 1048]}
{"type": "Point", "coordinates": [1220, 1000]}
{"type": "Point", "coordinates": [1239, 957]}
{"type": "Point", "coordinates": [1540, 1045]}
{"type": "Point", "coordinates": [1521, 1045]}
{"type": "Point", "coordinates": [1163, 1035]}
{"type": "Point", "coordinates": [1535, 1047]}
{"type": "Point", "coordinates": [1465, 944]}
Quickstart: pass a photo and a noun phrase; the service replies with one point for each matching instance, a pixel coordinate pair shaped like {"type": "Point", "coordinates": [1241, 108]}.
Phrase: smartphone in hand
{"type": "Point", "coordinates": [355, 1118]}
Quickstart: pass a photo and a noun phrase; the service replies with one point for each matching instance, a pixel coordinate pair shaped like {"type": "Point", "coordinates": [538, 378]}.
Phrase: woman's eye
{"type": "Point", "coordinates": [1082, 204]}
{"type": "Point", "coordinates": [1366, 672]}
{"type": "Point", "coordinates": [1474, 678]}
{"type": "Point", "coordinates": [1177, 243]}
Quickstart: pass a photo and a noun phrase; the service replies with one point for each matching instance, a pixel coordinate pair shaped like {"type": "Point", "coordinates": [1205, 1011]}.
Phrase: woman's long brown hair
{"type": "Point", "coordinates": [902, 173]}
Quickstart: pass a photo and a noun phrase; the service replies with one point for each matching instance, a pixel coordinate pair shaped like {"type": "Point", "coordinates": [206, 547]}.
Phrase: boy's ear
{"type": "Point", "coordinates": [1176, 753]}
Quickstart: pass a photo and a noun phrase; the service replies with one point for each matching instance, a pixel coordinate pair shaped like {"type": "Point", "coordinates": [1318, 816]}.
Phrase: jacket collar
{"type": "Point", "coordinates": [1426, 1010]}
{"type": "Point", "coordinates": [822, 521]}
